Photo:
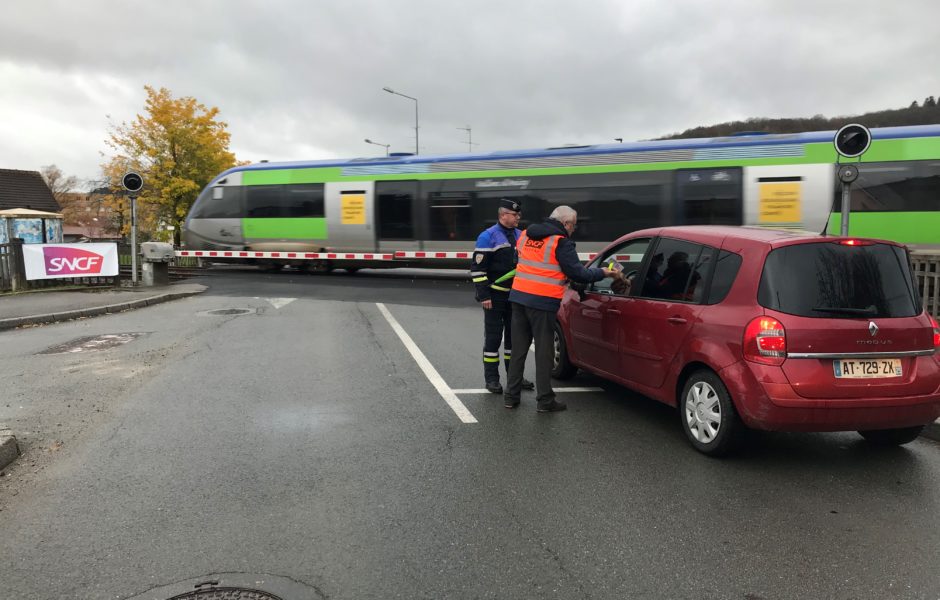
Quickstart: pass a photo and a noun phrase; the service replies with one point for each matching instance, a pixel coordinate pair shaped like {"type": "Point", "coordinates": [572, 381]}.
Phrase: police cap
{"type": "Point", "coordinates": [510, 205]}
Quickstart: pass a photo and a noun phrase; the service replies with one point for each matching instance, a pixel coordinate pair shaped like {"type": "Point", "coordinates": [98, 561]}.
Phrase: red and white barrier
{"type": "Point", "coordinates": [449, 255]}
{"type": "Point", "coordinates": [286, 255]}
{"type": "Point", "coordinates": [397, 255]}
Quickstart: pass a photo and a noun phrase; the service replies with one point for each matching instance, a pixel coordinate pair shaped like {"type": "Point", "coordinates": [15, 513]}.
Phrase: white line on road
{"type": "Point", "coordinates": [429, 371]}
{"type": "Point", "coordinates": [556, 390]}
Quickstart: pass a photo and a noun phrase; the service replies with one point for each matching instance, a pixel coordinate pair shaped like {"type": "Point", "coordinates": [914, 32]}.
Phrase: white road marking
{"type": "Point", "coordinates": [429, 371]}
{"type": "Point", "coordinates": [278, 303]}
{"type": "Point", "coordinates": [556, 390]}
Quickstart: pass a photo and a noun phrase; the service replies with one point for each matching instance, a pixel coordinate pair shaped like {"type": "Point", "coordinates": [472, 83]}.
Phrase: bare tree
{"type": "Point", "coordinates": [58, 183]}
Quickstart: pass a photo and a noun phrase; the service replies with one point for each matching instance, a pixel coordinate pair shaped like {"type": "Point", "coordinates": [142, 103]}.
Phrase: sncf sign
{"type": "Point", "coordinates": [72, 261]}
{"type": "Point", "coordinates": [51, 261]}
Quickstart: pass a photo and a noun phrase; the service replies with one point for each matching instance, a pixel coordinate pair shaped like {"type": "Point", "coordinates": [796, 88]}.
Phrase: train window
{"type": "Point", "coordinates": [270, 201]}
{"type": "Point", "coordinates": [606, 213]}
{"type": "Point", "coordinates": [450, 217]}
{"type": "Point", "coordinates": [891, 187]}
{"type": "Point", "coordinates": [394, 201]}
{"type": "Point", "coordinates": [608, 204]}
{"type": "Point", "coordinates": [303, 200]}
{"type": "Point", "coordinates": [219, 203]}
{"type": "Point", "coordinates": [709, 196]}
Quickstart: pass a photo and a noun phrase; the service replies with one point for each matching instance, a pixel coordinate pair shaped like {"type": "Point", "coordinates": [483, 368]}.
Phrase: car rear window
{"type": "Point", "coordinates": [833, 280]}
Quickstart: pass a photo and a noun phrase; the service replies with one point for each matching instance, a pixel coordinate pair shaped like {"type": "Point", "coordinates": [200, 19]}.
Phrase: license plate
{"type": "Point", "coordinates": [867, 369]}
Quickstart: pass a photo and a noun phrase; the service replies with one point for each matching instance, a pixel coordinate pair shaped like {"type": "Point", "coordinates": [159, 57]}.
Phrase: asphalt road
{"type": "Point", "coordinates": [302, 440]}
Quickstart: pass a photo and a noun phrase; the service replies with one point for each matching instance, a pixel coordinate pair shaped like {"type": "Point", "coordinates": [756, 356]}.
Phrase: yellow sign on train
{"type": "Point", "coordinates": [353, 209]}
{"type": "Point", "coordinates": [780, 203]}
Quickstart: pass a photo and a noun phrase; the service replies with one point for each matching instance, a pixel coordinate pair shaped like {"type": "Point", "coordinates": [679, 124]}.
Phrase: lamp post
{"type": "Point", "coordinates": [368, 141]}
{"type": "Point", "coordinates": [391, 91]}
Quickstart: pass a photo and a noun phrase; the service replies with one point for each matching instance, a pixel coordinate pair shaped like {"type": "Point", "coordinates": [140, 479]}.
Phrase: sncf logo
{"type": "Point", "coordinates": [71, 261]}
{"type": "Point", "coordinates": [534, 243]}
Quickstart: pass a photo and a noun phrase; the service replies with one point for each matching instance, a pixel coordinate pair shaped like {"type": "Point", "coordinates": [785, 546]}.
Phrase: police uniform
{"type": "Point", "coordinates": [492, 268]}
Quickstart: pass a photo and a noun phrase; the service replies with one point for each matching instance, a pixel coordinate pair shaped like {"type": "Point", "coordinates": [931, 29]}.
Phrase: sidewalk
{"type": "Point", "coordinates": [32, 308]}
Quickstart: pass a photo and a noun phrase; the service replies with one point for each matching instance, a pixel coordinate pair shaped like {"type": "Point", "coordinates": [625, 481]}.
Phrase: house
{"type": "Point", "coordinates": [26, 189]}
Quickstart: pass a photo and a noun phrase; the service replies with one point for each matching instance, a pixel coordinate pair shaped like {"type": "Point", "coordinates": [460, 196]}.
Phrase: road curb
{"type": "Point", "coordinates": [69, 315]}
{"type": "Point", "coordinates": [932, 431]}
{"type": "Point", "coordinates": [9, 449]}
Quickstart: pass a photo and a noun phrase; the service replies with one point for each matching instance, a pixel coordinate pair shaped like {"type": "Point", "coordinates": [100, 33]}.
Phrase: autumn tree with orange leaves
{"type": "Point", "coordinates": [178, 146]}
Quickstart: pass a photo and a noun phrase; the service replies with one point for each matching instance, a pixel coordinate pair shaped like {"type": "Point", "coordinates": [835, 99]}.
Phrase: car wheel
{"type": "Point", "coordinates": [708, 416]}
{"type": "Point", "coordinates": [561, 365]}
{"type": "Point", "coordinates": [892, 437]}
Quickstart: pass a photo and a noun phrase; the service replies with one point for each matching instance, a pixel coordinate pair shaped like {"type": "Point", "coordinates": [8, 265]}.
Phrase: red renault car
{"type": "Point", "coordinates": [751, 327]}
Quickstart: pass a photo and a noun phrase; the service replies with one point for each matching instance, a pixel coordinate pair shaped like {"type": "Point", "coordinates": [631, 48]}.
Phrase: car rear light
{"type": "Point", "coordinates": [854, 242]}
{"type": "Point", "coordinates": [765, 341]}
{"type": "Point", "coordinates": [936, 333]}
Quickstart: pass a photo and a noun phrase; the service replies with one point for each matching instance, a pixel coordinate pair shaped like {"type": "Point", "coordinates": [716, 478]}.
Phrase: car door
{"type": "Point", "coordinates": [662, 308]}
{"type": "Point", "coordinates": [595, 321]}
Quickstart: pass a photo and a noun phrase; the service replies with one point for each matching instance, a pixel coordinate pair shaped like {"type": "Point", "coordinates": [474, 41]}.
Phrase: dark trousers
{"type": "Point", "coordinates": [529, 323]}
{"type": "Point", "coordinates": [497, 327]}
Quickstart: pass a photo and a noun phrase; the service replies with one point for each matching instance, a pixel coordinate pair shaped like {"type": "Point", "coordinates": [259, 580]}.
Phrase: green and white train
{"type": "Point", "coordinates": [441, 203]}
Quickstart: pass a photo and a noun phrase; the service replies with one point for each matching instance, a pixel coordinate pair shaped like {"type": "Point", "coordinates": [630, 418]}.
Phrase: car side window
{"type": "Point", "coordinates": [726, 270]}
{"type": "Point", "coordinates": [677, 271]}
{"type": "Point", "coordinates": [630, 256]}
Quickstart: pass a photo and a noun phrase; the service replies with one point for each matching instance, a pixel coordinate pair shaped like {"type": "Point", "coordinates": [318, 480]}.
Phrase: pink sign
{"type": "Point", "coordinates": [71, 261]}
{"type": "Point", "coordinates": [49, 261]}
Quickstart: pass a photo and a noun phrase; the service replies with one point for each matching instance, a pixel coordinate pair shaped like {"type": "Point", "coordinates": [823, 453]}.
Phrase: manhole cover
{"type": "Point", "coordinates": [235, 586]}
{"type": "Point", "coordinates": [230, 311]}
{"type": "Point", "coordinates": [93, 343]}
{"type": "Point", "coordinates": [226, 593]}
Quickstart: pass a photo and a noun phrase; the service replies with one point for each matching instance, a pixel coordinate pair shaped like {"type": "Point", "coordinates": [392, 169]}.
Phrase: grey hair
{"type": "Point", "coordinates": [502, 211]}
{"type": "Point", "coordinates": [564, 214]}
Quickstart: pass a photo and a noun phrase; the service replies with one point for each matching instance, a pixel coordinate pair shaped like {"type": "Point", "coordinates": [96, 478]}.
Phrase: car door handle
{"type": "Point", "coordinates": [613, 312]}
{"type": "Point", "coordinates": [677, 320]}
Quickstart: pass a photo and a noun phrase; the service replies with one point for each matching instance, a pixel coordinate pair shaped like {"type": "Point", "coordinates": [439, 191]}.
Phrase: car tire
{"type": "Point", "coordinates": [561, 364]}
{"type": "Point", "coordinates": [892, 437]}
{"type": "Point", "coordinates": [708, 416]}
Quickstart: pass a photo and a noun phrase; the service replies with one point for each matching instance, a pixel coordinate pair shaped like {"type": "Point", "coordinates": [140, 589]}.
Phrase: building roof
{"type": "Point", "coordinates": [25, 189]}
{"type": "Point", "coordinates": [28, 212]}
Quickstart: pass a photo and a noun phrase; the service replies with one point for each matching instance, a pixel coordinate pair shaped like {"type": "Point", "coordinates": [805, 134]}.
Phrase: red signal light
{"type": "Point", "coordinates": [936, 333]}
{"type": "Point", "coordinates": [854, 242]}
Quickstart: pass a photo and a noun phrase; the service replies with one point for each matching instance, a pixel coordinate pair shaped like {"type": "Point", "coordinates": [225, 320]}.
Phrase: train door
{"type": "Point", "coordinates": [396, 219]}
{"type": "Point", "coordinates": [350, 216]}
{"type": "Point", "coordinates": [709, 196]}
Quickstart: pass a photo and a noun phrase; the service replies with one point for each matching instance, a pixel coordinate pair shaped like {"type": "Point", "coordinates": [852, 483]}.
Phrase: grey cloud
{"type": "Point", "coordinates": [299, 80]}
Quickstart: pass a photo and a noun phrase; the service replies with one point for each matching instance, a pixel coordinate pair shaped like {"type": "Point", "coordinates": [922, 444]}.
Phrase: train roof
{"type": "Point", "coordinates": [750, 139]}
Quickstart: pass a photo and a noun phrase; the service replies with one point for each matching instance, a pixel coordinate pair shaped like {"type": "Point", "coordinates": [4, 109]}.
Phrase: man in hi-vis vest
{"type": "Point", "coordinates": [547, 259]}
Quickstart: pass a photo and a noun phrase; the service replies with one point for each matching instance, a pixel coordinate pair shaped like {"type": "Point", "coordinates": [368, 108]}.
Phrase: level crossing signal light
{"type": "Point", "coordinates": [852, 140]}
{"type": "Point", "coordinates": [132, 182]}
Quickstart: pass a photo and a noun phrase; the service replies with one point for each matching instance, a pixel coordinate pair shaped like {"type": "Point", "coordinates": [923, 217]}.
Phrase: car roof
{"type": "Point", "coordinates": [716, 235]}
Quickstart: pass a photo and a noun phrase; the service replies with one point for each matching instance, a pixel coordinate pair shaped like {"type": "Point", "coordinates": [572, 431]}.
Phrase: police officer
{"type": "Point", "coordinates": [492, 268]}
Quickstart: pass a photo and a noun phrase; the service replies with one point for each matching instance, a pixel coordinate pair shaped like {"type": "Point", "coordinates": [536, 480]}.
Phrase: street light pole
{"type": "Point", "coordinates": [386, 146]}
{"type": "Point", "coordinates": [391, 91]}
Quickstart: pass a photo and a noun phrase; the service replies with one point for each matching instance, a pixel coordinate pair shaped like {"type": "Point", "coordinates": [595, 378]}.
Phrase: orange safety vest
{"type": "Point", "coordinates": [538, 271]}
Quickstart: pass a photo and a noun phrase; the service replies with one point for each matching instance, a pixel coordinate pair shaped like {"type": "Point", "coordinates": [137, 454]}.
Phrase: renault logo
{"type": "Point", "coordinates": [872, 328]}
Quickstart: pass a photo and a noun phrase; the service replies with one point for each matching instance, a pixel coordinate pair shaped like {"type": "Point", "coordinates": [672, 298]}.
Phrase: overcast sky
{"type": "Point", "coordinates": [301, 79]}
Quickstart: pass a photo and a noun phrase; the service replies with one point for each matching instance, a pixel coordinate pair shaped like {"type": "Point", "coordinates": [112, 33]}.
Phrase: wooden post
{"type": "Point", "coordinates": [17, 265]}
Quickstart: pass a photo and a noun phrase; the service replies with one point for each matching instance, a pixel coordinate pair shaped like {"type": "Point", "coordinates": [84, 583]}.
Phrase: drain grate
{"type": "Point", "coordinates": [226, 593]}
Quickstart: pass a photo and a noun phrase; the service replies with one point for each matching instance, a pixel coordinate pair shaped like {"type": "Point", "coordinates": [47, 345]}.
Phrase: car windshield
{"type": "Point", "coordinates": [836, 280]}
